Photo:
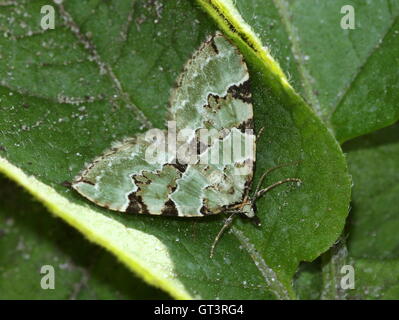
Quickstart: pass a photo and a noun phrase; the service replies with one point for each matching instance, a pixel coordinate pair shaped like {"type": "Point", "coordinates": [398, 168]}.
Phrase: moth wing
{"type": "Point", "coordinates": [216, 186]}
{"type": "Point", "coordinates": [213, 93]}
{"type": "Point", "coordinates": [123, 179]}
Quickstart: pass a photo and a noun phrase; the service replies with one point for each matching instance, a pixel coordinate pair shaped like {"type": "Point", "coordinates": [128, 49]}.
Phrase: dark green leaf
{"type": "Point", "coordinates": [30, 238]}
{"type": "Point", "coordinates": [348, 76]}
{"type": "Point", "coordinates": [373, 222]}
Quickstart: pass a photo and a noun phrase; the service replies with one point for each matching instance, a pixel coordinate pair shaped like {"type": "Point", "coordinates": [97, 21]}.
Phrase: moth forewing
{"type": "Point", "coordinates": [212, 94]}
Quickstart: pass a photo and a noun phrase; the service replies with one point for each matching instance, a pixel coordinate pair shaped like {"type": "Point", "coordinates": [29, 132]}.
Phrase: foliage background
{"type": "Point", "coordinates": [106, 72]}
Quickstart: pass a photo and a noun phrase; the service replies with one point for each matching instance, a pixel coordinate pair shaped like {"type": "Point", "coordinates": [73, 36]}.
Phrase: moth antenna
{"type": "Point", "coordinates": [266, 173]}
{"type": "Point", "coordinates": [227, 224]}
{"type": "Point", "coordinates": [263, 191]}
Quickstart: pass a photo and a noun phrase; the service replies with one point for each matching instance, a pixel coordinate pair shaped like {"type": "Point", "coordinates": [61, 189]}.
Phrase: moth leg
{"type": "Point", "coordinates": [266, 173]}
{"type": "Point", "coordinates": [227, 224]}
{"type": "Point", "coordinates": [263, 191]}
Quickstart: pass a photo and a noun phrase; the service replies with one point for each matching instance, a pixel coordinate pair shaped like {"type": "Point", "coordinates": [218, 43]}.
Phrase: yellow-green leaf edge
{"type": "Point", "coordinates": [56, 203]}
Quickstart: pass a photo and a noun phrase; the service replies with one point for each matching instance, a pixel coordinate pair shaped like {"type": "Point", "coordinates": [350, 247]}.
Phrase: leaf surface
{"type": "Point", "coordinates": [346, 75]}
{"type": "Point", "coordinates": [106, 72]}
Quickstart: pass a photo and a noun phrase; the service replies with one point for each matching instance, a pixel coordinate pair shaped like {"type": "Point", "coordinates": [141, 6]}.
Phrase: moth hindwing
{"type": "Point", "coordinates": [203, 163]}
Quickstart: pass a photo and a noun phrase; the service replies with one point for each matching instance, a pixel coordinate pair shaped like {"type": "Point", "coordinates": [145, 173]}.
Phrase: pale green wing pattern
{"type": "Point", "coordinates": [211, 94]}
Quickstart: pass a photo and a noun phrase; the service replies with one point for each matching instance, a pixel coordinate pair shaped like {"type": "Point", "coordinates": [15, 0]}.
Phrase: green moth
{"type": "Point", "coordinates": [203, 163]}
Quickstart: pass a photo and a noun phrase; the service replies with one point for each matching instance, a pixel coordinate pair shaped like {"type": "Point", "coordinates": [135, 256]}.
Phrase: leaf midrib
{"type": "Point", "coordinates": [282, 8]}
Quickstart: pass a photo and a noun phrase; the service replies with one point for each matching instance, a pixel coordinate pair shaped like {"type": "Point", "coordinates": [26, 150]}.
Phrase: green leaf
{"type": "Point", "coordinates": [373, 239]}
{"type": "Point", "coordinates": [374, 164]}
{"type": "Point", "coordinates": [376, 279]}
{"type": "Point", "coordinates": [105, 72]}
{"type": "Point", "coordinates": [30, 239]}
{"type": "Point", "coordinates": [307, 232]}
{"type": "Point", "coordinates": [347, 76]}
{"type": "Point", "coordinates": [308, 281]}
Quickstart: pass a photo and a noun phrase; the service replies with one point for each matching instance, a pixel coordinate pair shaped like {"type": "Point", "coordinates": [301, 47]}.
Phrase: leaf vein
{"type": "Point", "coordinates": [282, 8]}
{"type": "Point", "coordinates": [104, 67]}
{"type": "Point", "coordinates": [268, 273]}
{"type": "Point", "coordinates": [361, 68]}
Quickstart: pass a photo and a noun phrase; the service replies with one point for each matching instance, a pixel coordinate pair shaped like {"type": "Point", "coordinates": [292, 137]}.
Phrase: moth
{"type": "Point", "coordinates": [193, 168]}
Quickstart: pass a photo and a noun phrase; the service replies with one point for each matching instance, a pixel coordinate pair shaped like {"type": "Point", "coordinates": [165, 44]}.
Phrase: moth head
{"type": "Point", "coordinates": [248, 208]}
